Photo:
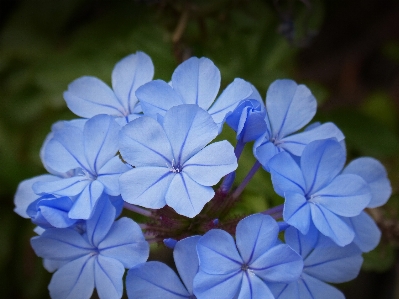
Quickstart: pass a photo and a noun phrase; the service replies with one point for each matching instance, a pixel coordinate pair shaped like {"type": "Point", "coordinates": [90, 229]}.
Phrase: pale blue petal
{"type": "Point", "coordinates": [128, 75]}
{"type": "Point", "coordinates": [331, 263]}
{"type": "Point", "coordinates": [125, 242]}
{"type": "Point", "coordinates": [286, 175]}
{"type": "Point", "coordinates": [367, 233]}
{"type": "Point", "coordinates": [375, 175]}
{"type": "Point", "coordinates": [86, 201]}
{"type": "Point", "coordinates": [289, 106]}
{"type": "Point", "coordinates": [154, 280]}
{"type": "Point", "coordinates": [235, 92]}
{"type": "Point", "coordinates": [278, 264]}
{"type": "Point", "coordinates": [210, 164]}
{"type": "Point", "coordinates": [321, 162]}
{"type": "Point", "coordinates": [189, 128]}
{"type": "Point", "coordinates": [331, 225]}
{"type": "Point", "coordinates": [89, 96]}
{"type": "Point", "coordinates": [59, 159]}
{"type": "Point", "coordinates": [252, 287]}
{"type": "Point", "coordinates": [296, 143]}
{"type": "Point", "coordinates": [109, 174]}
{"type": "Point", "coordinates": [98, 225]}
{"type": "Point", "coordinates": [186, 196]}
{"type": "Point", "coordinates": [217, 254]}
{"type": "Point", "coordinates": [74, 280]}
{"type": "Point", "coordinates": [297, 211]}
{"type": "Point", "coordinates": [25, 195]}
{"type": "Point", "coordinates": [255, 235]}
{"type": "Point", "coordinates": [287, 291]}
{"type": "Point", "coordinates": [197, 80]}
{"type": "Point", "coordinates": [222, 286]}
{"type": "Point", "coordinates": [264, 150]}
{"type": "Point", "coordinates": [143, 142]}
{"type": "Point", "coordinates": [100, 137]}
{"type": "Point", "coordinates": [62, 187]}
{"type": "Point", "coordinates": [61, 244]}
{"type": "Point", "coordinates": [157, 97]}
{"type": "Point", "coordinates": [186, 260]}
{"type": "Point", "coordinates": [53, 265]}
{"type": "Point", "coordinates": [108, 275]}
{"type": "Point", "coordinates": [312, 288]}
{"type": "Point", "coordinates": [146, 186]}
{"type": "Point", "coordinates": [302, 244]}
{"type": "Point", "coordinates": [347, 195]}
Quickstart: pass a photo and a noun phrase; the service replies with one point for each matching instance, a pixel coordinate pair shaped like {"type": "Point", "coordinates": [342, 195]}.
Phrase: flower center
{"type": "Point", "coordinates": [175, 168]}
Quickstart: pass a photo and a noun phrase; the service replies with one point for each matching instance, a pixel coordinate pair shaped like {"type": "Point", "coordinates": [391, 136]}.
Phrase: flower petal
{"type": "Point", "coordinates": [197, 80]}
{"type": "Point", "coordinates": [286, 175]}
{"type": "Point", "coordinates": [217, 254]}
{"type": "Point", "coordinates": [375, 175]}
{"type": "Point", "coordinates": [186, 196]}
{"type": "Point", "coordinates": [146, 186]}
{"type": "Point", "coordinates": [143, 142]}
{"type": "Point", "coordinates": [252, 287]}
{"type": "Point", "coordinates": [331, 225]}
{"type": "Point", "coordinates": [188, 128]}
{"type": "Point", "coordinates": [186, 260]}
{"type": "Point", "coordinates": [367, 233]}
{"type": "Point", "coordinates": [222, 286]}
{"type": "Point", "coordinates": [278, 264]}
{"type": "Point", "coordinates": [61, 244]}
{"type": "Point", "coordinates": [211, 163]}
{"type": "Point", "coordinates": [154, 280]}
{"type": "Point", "coordinates": [157, 97]}
{"type": "Point", "coordinates": [321, 162]}
{"type": "Point", "coordinates": [289, 106]}
{"type": "Point", "coordinates": [297, 211]}
{"type": "Point", "coordinates": [236, 91]}
{"type": "Point", "coordinates": [100, 137]}
{"type": "Point", "coordinates": [255, 235]}
{"type": "Point", "coordinates": [108, 275]}
{"type": "Point", "coordinates": [347, 195]}
{"type": "Point", "coordinates": [89, 96]}
{"type": "Point", "coordinates": [125, 242]}
{"type": "Point", "coordinates": [296, 143]}
{"type": "Point", "coordinates": [86, 201]}
{"type": "Point", "coordinates": [128, 75]}
{"type": "Point", "coordinates": [74, 280]}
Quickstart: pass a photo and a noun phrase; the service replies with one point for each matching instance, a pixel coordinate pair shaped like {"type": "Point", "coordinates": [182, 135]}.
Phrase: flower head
{"type": "Point", "coordinates": [172, 164]}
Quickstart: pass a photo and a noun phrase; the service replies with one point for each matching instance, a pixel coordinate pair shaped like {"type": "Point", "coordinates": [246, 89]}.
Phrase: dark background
{"type": "Point", "coordinates": [347, 52]}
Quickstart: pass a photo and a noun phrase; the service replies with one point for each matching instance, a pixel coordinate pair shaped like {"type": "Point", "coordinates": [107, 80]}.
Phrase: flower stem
{"type": "Point", "coordinates": [137, 209]}
{"type": "Point", "coordinates": [246, 180]}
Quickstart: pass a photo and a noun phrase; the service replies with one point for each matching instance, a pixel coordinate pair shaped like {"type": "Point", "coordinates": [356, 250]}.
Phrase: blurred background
{"type": "Point", "coordinates": [346, 52]}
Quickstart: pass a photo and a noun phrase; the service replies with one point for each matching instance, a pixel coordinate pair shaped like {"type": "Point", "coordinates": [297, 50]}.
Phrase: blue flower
{"type": "Point", "coordinates": [248, 120]}
{"type": "Point", "coordinates": [89, 96]}
{"type": "Point", "coordinates": [367, 233]}
{"type": "Point", "coordinates": [95, 259]}
{"type": "Point", "coordinates": [195, 81]}
{"type": "Point", "coordinates": [88, 155]}
{"type": "Point", "coordinates": [289, 108]}
{"type": "Point", "coordinates": [172, 164]}
{"type": "Point", "coordinates": [156, 280]}
{"type": "Point", "coordinates": [316, 192]}
{"type": "Point", "coordinates": [245, 268]}
{"type": "Point", "coordinates": [324, 262]}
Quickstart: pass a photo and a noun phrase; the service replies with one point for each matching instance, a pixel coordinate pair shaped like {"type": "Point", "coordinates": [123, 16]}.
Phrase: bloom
{"type": "Point", "coordinates": [88, 154]}
{"type": "Point", "coordinates": [95, 259]}
{"type": "Point", "coordinates": [315, 191]}
{"type": "Point", "coordinates": [172, 164]}
{"type": "Point", "coordinates": [89, 96]}
{"type": "Point", "coordinates": [244, 269]}
{"type": "Point", "coordinates": [289, 108]}
{"type": "Point", "coordinates": [324, 261]}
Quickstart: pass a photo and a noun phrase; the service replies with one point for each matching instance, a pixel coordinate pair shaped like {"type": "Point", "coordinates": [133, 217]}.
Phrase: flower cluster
{"type": "Point", "coordinates": [146, 146]}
